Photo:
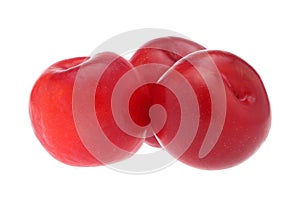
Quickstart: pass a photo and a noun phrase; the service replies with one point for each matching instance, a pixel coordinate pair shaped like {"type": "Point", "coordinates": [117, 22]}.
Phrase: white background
{"type": "Point", "coordinates": [35, 34]}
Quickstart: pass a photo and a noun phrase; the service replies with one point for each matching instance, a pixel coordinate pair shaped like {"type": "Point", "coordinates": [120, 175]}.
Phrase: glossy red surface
{"type": "Point", "coordinates": [165, 51]}
{"type": "Point", "coordinates": [52, 112]}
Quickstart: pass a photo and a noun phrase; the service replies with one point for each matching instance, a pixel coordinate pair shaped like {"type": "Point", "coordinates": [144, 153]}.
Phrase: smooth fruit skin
{"type": "Point", "coordinates": [52, 116]}
{"type": "Point", "coordinates": [165, 51]}
{"type": "Point", "coordinates": [248, 114]}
